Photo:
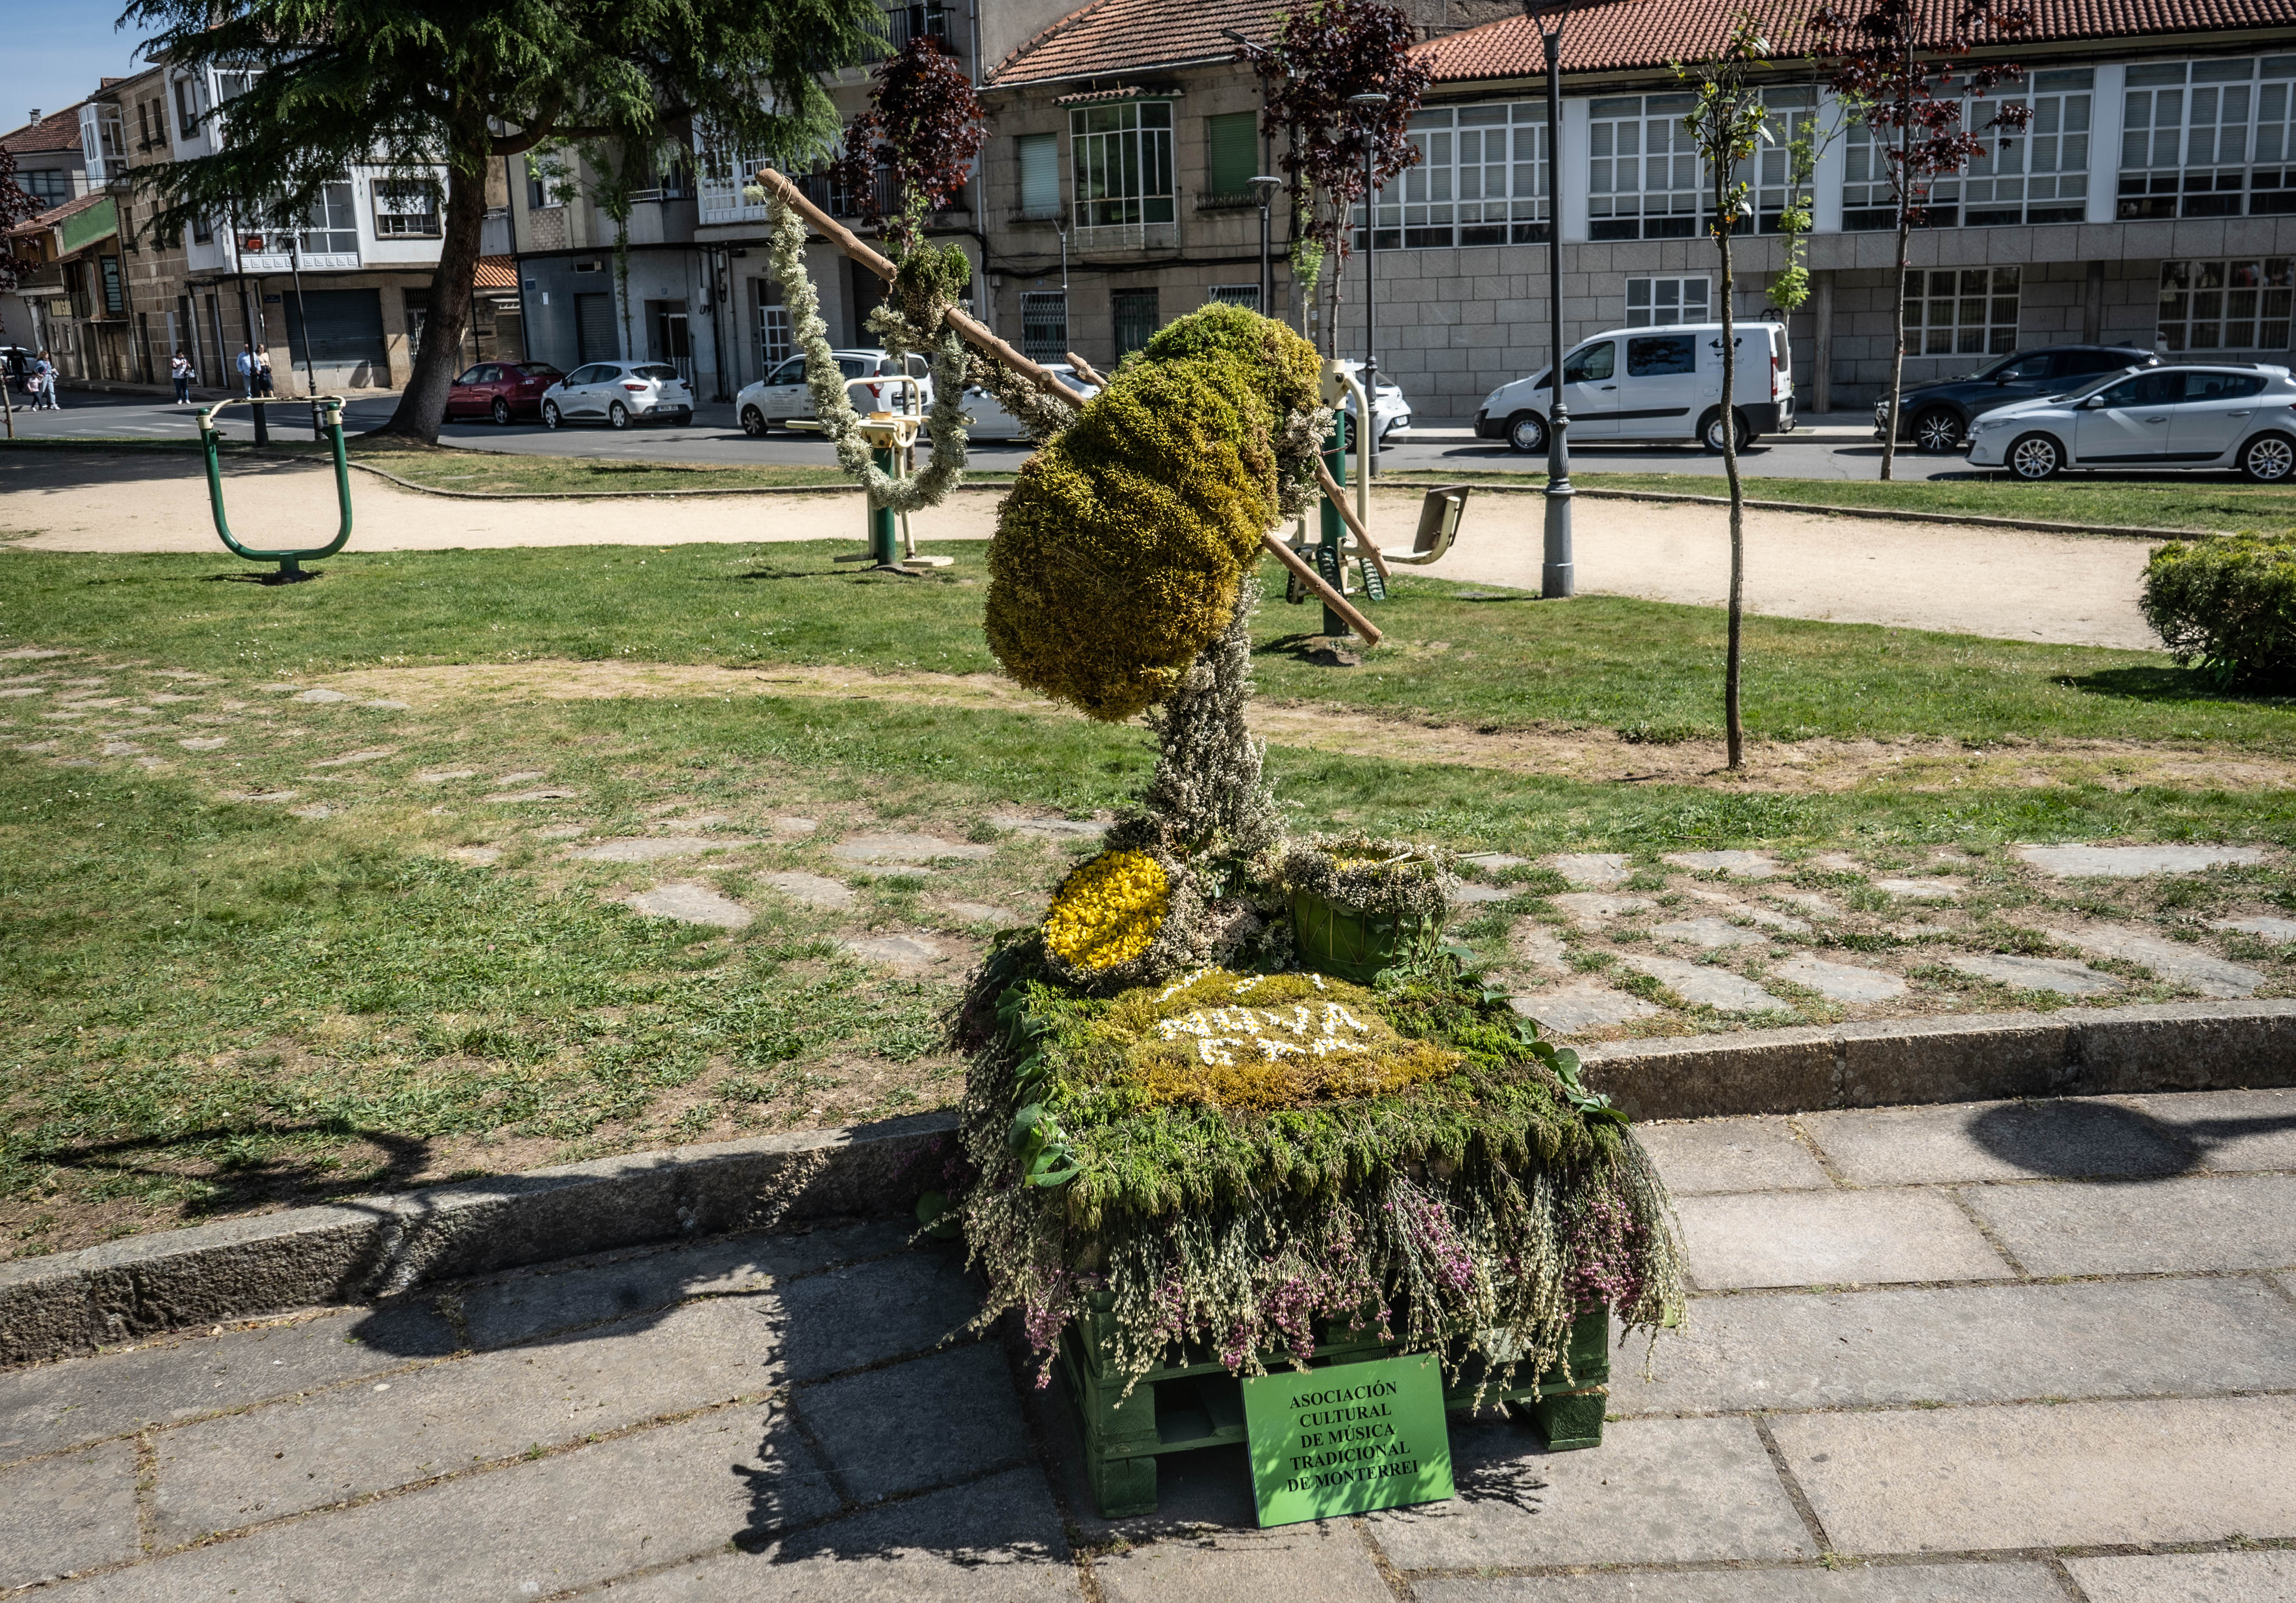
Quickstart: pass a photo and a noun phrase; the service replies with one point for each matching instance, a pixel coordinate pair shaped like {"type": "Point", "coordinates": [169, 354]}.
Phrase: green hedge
{"type": "Point", "coordinates": [2230, 605]}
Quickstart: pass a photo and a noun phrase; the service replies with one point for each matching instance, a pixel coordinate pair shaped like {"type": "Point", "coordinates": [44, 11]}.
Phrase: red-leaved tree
{"type": "Point", "coordinates": [924, 127]}
{"type": "Point", "coordinates": [1323, 52]}
{"type": "Point", "coordinates": [1896, 66]}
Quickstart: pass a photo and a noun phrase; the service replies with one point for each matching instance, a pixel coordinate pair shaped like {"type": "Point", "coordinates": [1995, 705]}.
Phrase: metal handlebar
{"type": "Point", "coordinates": [210, 444]}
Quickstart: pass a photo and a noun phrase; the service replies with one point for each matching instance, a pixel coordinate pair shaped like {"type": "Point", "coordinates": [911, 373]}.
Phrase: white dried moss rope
{"type": "Point", "coordinates": [946, 469]}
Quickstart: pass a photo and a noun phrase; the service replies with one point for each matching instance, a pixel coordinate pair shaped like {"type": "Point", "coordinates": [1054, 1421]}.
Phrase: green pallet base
{"type": "Point", "coordinates": [1181, 1406]}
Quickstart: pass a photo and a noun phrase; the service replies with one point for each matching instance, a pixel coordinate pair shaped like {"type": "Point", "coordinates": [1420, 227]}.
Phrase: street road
{"type": "Point", "coordinates": [1842, 447]}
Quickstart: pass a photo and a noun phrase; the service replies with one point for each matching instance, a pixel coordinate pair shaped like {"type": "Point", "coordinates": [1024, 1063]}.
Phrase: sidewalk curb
{"type": "Point", "coordinates": [378, 1246]}
{"type": "Point", "coordinates": [373, 1247]}
{"type": "Point", "coordinates": [1883, 514]}
{"type": "Point", "coordinates": [2078, 1052]}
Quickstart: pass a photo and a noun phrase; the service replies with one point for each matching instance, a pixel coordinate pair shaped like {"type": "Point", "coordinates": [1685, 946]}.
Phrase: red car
{"type": "Point", "coordinates": [501, 390]}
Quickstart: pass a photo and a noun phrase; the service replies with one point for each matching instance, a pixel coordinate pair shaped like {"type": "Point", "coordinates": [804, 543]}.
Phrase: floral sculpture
{"type": "Point", "coordinates": [1177, 1118]}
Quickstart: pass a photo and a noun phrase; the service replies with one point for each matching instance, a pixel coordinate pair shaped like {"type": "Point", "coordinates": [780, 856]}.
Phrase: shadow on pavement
{"type": "Point", "coordinates": [2080, 1139]}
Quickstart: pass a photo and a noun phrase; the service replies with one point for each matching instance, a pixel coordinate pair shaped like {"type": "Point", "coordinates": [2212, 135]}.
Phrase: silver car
{"type": "Point", "coordinates": [781, 397]}
{"type": "Point", "coordinates": [617, 394]}
{"type": "Point", "coordinates": [990, 420]}
{"type": "Point", "coordinates": [2216, 415]}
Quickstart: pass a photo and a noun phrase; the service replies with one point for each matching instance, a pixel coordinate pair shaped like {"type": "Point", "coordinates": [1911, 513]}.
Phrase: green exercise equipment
{"type": "Point", "coordinates": [290, 562]}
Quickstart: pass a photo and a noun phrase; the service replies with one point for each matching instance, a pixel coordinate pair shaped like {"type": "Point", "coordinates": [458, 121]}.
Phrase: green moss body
{"type": "Point", "coordinates": [1120, 550]}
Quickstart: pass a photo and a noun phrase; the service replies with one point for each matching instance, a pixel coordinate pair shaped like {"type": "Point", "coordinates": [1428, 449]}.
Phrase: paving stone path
{"type": "Point", "coordinates": [1999, 1352]}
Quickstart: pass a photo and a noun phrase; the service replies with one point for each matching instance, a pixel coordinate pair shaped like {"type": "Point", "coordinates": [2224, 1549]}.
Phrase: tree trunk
{"type": "Point", "coordinates": [1897, 348]}
{"type": "Point", "coordinates": [423, 405]}
{"type": "Point", "coordinates": [1734, 730]}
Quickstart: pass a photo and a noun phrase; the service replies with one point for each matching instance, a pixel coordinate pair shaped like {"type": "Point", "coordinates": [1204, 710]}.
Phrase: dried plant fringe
{"type": "Point", "coordinates": [1370, 873]}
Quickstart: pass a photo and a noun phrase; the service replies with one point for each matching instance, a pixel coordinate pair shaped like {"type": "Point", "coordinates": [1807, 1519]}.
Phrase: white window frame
{"type": "Point", "coordinates": [1120, 165]}
{"type": "Point", "coordinates": [776, 342]}
{"type": "Point", "coordinates": [1666, 302]}
{"type": "Point", "coordinates": [1482, 178]}
{"type": "Point", "coordinates": [1789, 113]}
{"type": "Point", "coordinates": [390, 219]}
{"type": "Point", "coordinates": [2204, 301]}
{"type": "Point", "coordinates": [2038, 175]}
{"type": "Point", "coordinates": [331, 226]}
{"type": "Point", "coordinates": [2198, 140]}
{"type": "Point", "coordinates": [1644, 180]}
{"type": "Point", "coordinates": [1963, 311]}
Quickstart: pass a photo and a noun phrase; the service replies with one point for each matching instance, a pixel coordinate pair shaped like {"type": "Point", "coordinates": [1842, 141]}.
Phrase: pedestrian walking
{"type": "Point", "coordinates": [43, 374]}
{"type": "Point", "coordinates": [180, 370]}
{"type": "Point", "coordinates": [263, 370]}
{"type": "Point", "coordinates": [247, 371]}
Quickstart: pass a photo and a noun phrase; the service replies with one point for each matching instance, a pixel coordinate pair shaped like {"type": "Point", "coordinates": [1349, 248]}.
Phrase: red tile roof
{"type": "Point", "coordinates": [1131, 36]}
{"type": "Point", "coordinates": [55, 214]}
{"type": "Point", "coordinates": [1623, 35]}
{"type": "Point", "coordinates": [57, 131]}
{"type": "Point", "coordinates": [495, 273]}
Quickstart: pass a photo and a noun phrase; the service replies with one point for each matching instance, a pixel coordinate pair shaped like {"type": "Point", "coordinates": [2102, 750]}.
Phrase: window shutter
{"type": "Point", "coordinates": [1234, 144]}
{"type": "Point", "coordinates": [1040, 175]}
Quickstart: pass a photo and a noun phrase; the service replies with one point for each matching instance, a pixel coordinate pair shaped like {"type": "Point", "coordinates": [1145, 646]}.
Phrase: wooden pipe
{"type": "Point", "coordinates": [1314, 580]}
{"type": "Point", "coordinates": [1338, 497]}
{"type": "Point", "coordinates": [837, 234]}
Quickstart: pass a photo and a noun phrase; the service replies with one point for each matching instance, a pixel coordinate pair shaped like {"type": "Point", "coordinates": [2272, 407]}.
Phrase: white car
{"type": "Point", "coordinates": [1653, 384]}
{"type": "Point", "coordinates": [1389, 410]}
{"type": "Point", "coordinates": [617, 394]}
{"type": "Point", "coordinates": [781, 397]}
{"type": "Point", "coordinates": [2225, 414]}
{"type": "Point", "coordinates": [990, 420]}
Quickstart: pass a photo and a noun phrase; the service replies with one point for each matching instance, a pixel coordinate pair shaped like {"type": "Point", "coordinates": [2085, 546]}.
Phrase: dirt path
{"type": "Point", "coordinates": [2001, 583]}
{"type": "Point", "coordinates": [1585, 755]}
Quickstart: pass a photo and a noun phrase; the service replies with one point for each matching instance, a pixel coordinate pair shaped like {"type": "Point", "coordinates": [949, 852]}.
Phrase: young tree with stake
{"type": "Point", "coordinates": [415, 86]}
{"type": "Point", "coordinates": [1896, 76]}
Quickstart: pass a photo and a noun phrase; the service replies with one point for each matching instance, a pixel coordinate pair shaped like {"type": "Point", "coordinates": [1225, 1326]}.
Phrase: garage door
{"type": "Point", "coordinates": [594, 328]}
{"type": "Point", "coordinates": [345, 327]}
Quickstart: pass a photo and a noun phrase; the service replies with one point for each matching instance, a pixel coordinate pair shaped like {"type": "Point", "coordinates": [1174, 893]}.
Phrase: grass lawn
{"type": "Point", "coordinates": [262, 951]}
{"type": "Point", "coordinates": [1648, 669]}
{"type": "Point", "coordinates": [2198, 503]}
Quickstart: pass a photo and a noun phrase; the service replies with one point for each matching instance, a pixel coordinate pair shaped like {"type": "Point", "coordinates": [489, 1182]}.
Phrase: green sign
{"type": "Point", "coordinates": [1347, 1438]}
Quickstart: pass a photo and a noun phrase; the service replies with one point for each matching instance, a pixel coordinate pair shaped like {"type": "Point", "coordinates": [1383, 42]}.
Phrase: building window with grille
{"type": "Point", "coordinates": [774, 344]}
{"type": "Point", "coordinates": [1122, 158]}
{"type": "Point", "coordinates": [1643, 170]}
{"type": "Point", "coordinates": [1657, 303]}
{"type": "Point", "coordinates": [1045, 325]}
{"type": "Point", "coordinates": [1246, 296]}
{"type": "Point", "coordinates": [1232, 158]}
{"type": "Point", "coordinates": [1961, 311]}
{"type": "Point", "coordinates": [331, 226]}
{"type": "Point", "coordinates": [1136, 319]}
{"type": "Point", "coordinates": [2208, 139]}
{"type": "Point", "coordinates": [406, 208]}
{"type": "Point", "coordinates": [2234, 306]}
{"type": "Point", "coordinates": [1040, 177]}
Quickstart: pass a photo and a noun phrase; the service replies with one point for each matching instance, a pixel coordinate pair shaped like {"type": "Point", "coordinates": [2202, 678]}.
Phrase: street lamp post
{"type": "Point", "coordinates": [1556, 576]}
{"type": "Point", "coordinates": [1370, 105]}
{"type": "Point", "coordinates": [1266, 186]}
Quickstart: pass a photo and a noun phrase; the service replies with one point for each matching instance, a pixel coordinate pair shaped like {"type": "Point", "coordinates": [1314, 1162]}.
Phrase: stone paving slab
{"type": "Point", "coordinates": [57, 1405]}
{"type": "Point", "coordinates": [67, 1514]}
{"type": "Point", "coordinates": [1592, 909]}
{"type": "Point", "coordinates": [653, 848]}
{"type": "Point", "coordinates": [950, 1416]}
{"type": "Point", "coordinates": [1832, 1238]}
{"type": "Point", "coordinates": [520, 1307]}
{"type": "Point", "coordinates": [2135, 862]}
{"type": "Point", "coordinates": [1592, 868]}
{"type": "Point", "coordinates": [234, 1471]}
{"type": "Point", "coordinates": [998, 1539]}
{"type": "Point", "coordinates": [2058, 974]}
{"type": "Point", "coordinates": [2086, 1138]}
{"type": "Point", "coordinates": [532, 1530]}
{"type": "Point", "coordinates": [1703, 1156]}
{"type": "Point", "coordinates": [905, 848]}
{"type": "Point", "coordinates": [1840, 981]}
{"type": "Point", "coordinates": [1657, 1491]}
{"type": "Point", "coordinates": [2172, 961]}
{"type": "Point", "coordinates": [2077, 1474]}
{"type": "Point", "coordinates": [691, 904]}
{"type": "Point", "coordinates": [2268, 1577]}
{"type": "Point", "coordinates": [1579, 1006]}
{"type": "Point", "coordinates": [814, 890]}
{"type": "Point", "coordinates": [1966, 1344]}
{"type": "Point", "coordinates": [2240, 1222]}
{"type": "Point", "coordinates": [2231, 1130]}
{"type": "Point", "coordinates": [1703, 984]}
{"type": "Point", "coordinates": [849, 1318]}
{"type": "Point", "coordinates": [1738, 865]}
{"type": "Point", "coordinates": [1248, 1566]}
{"type": "Point", "coordinates": [1851, 1584]}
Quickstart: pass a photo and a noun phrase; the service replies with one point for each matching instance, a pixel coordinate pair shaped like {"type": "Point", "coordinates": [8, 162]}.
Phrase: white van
{"type": "Point", "coordinates": [1652, 384]}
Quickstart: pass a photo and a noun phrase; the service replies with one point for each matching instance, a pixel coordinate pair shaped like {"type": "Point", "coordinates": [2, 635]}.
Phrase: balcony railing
{"type": "Point", "coordinates": [904, 23]}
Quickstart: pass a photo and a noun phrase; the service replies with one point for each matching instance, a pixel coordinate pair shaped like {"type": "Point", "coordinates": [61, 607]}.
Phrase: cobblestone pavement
{"type": "Point", "coordinates": [1979, 1354]}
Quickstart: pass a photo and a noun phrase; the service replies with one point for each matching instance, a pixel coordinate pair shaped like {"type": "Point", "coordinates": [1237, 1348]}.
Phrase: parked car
{"type": "Point", "coordinates": [1388, 409]}
{"type": "Point", "coordinates": [2225, 414]}
{"type": "Point", "coordinates": [990, 420]}
{"type": "Point", "coordinates": [501, 390]}
{"type": "Point", "coordinates": [1937, 415]}
{"type": "Point", "coordinates": [781, 397]}
{"type": "Point", "coordinates": [617, 394]}
{"type": "Point", "coordinates": [1652, 384]}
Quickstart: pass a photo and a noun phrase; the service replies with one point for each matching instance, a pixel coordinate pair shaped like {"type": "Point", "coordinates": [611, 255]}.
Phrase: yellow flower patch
{"type": "Point", "coordinates": [1108, 911]}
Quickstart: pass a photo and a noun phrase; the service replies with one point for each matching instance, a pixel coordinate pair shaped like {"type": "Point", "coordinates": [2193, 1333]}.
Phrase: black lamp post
{"type": "Point", "coordinates": [1557, 577]}
{"type": "Point", "coordinates": [1265, 186]}
{"type": "Point", "coordinates": [1370, 105]}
